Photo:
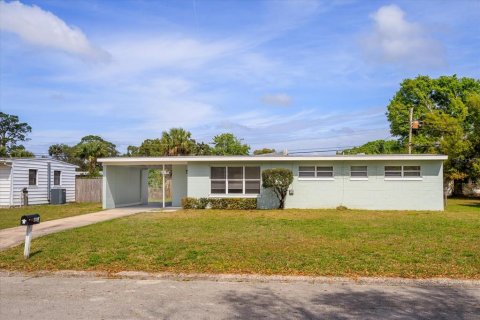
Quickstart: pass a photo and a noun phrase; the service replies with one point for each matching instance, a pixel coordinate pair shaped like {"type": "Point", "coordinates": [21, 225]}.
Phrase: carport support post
{"type": "Point", "coordinates": [28, 238]}
{"type": "Point", "coordinates": [163, 185]}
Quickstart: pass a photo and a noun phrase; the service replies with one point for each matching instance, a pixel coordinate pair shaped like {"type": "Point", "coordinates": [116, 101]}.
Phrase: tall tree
{"type": "Point", "coordinates": [446, 110]}
{"type": "Point", "coordinates": [177, 142]}
{"type": "Point", "coordinates": [63, 152]}
{"type": "Point", "coordinates": [20, 152]}
{"type": "Point", "coordinates": [377, 147]}
{"type": "Point", "coordinates": [92, 147]}
{"type": "Point", "coordinates": [151, 148]}
{"type": "Point", "coordinates": [263, 151]}
{"type": "Point", "coordinates": [228, 144]}
{"type": "Point", "coordinates": [202, 149]}
{"type": "Point", "coordinates": [132, 151]}
{"type": "Point", "coordinates": [12, 131]}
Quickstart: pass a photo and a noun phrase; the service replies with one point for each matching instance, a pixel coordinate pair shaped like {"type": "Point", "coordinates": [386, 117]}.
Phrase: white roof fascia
{"type": "Point", "coordinates": [187, 159]}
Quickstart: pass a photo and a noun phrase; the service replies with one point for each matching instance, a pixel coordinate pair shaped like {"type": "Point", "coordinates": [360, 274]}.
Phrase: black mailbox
{"type": "Point", "coordinates": [30, 219]}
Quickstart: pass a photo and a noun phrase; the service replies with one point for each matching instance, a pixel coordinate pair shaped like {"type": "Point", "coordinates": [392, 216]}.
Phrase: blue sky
{"type": "Point", "coordinates": [282, 74]}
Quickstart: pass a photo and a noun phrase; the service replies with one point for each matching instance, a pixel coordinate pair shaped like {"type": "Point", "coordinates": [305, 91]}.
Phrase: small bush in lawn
{"type": "Point", "coordinates": [342, 208]}
{"type": "Point", "coordinates": [189, 203]}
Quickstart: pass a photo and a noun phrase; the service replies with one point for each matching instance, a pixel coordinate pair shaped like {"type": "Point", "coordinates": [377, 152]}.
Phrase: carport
{"type": "Point", "coordinates": [125, 181]}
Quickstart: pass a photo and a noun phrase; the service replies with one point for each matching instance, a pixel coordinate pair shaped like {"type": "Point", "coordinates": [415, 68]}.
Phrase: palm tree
{"type": "Point", "coordinates": [177, 142]}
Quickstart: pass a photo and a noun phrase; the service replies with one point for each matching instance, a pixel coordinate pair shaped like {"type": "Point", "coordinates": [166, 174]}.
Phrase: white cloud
{"type": "Point", "coordinates": [43, 28]}
{"type": "Point", "coordinates": [396, 40]}
{"type": "Point", "coordinates": [279, 99]}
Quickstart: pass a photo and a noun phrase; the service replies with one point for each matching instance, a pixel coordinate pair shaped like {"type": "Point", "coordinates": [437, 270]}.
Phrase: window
{"type": "Point", "coordinates": [358, 172]}
{"type": "Point", "coordinates": [411, 171]}
{"type": "Point", "coordinates": [218, 179]}
{"type": "Point", "coordinates": [32, 177]}
{"type": "Point", "coordinates": [306, 172]}
{"type": "Point", "coordinates": [56, 177]}
{"type": "Point", "coordinates": [402, 172]}
{"type": "Point", "coordinates": [324, 172]}
{"type": "Point", "coordinates": [315, 172]}
{"type": "Point", "coordinates": [235, 180]}
{"type": "Point", "coordinates": [252, 180]}
{"type": "Point", "coordinates": [393, 171]}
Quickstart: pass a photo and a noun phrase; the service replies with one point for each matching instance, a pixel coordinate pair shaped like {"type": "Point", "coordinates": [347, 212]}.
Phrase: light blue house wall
{"type": "Point", "coordinates": [125, 181]}
{"type": "Point", "coordinates": [124, 186]}
{"type": "Point", "coordinates": [179, 184]}
{"type": "Point", "coordinates": [376, 192]}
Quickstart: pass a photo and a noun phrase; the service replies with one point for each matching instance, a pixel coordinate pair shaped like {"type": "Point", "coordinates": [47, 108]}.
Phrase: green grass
{"type": "Point", "coordinates": [10, 217]}
{"type": "Point", "coordinates": [303, 242]}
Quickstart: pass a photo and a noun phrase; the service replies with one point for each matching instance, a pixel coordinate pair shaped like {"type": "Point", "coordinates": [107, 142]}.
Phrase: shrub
{"type": "Point", "coordinates": [342, 208]}
{"type": "Point", "coordinates": [279, 180]}
{"type": "Point", "coordinates": [189, 203]}
{"type": "Point", "coordinates": [203, 203]}
{"type": "Point", "coordinates": [220, 203]}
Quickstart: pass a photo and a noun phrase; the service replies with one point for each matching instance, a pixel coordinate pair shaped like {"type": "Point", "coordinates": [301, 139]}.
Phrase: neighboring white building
{"type": "Point", "coordinates": [38, 176]}
{"type": "Point", "coordinates": [377, 182]}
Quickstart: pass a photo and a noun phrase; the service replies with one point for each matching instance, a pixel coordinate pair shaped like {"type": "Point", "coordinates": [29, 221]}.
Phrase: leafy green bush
{"type": "Point", "coordinates": [203, 203]}
{"type": "Point", "coordinates": [233, 203]}
{"type": "Point", "coordinates": [220, 203]}
{"type": "Point", "coordinates": [278, 180]}
{"type": "Point", "coordinates": [190, 203]}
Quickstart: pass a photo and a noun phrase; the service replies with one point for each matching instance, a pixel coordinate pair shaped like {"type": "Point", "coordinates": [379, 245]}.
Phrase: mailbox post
{"type": "Point", "coordinates": [29, 221]}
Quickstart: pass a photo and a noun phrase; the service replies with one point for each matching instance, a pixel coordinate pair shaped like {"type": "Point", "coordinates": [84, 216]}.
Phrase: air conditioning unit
{"type": "Point", "coordinates": [58, 196]}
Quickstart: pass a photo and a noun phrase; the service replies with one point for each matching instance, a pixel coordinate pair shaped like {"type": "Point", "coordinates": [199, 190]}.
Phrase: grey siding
{"type": "Point", "coordinates": [39, 194]}
{"type": "Point", "coordinates": [5, 185]}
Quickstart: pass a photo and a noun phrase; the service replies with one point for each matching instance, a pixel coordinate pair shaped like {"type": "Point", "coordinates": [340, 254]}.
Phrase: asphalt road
{"type": "Point", "coordinates": [98, 298]}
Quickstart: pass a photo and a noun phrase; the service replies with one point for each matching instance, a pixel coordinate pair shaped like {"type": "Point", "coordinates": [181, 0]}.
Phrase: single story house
{"type": "Point", "coordinates": [34, 177]}
{"type": "Point", "coordinates": [383, 182]}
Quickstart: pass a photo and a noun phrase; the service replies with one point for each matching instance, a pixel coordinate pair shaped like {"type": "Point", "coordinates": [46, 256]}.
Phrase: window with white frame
{"type": "Point", "coordinates": [359, 172]}
{"type": "Point", "coordinates": [57, 175]}
{"type": "Point", "coordinates": [32, 177]}
{"type": "Point", "coordinates": [306, 172]}
{"type": "Point", "coordinates": [402, 172]}
{"type": "Point", "coordinates": [218, 177]}
{"type": "Point", "coordinates": [235, 180]}
{"type": "Point", "coordinates": [412, 171]}
{"type": "Point", "coordinates": [315, 172]}
{"type": "Point", "coordinates": [252, 180]}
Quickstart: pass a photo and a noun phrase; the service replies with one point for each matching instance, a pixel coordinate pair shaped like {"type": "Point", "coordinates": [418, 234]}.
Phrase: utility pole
{"type": "Point", "coordinates": [410, 121]}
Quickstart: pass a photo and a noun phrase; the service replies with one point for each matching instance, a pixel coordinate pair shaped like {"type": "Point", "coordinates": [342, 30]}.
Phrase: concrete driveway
{"type": "Point", "coordinates": [55, 297]}
{"type": "Point", "coordinates": [14, 236]}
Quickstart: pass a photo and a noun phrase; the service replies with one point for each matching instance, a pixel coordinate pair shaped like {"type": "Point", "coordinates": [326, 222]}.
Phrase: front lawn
{"type": "Point", "coordinates": [10, 217]}
{"type": "Point", "coordinates": [303, 242]}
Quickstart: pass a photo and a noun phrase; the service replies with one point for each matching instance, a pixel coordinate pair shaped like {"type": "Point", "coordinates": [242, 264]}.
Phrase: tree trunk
{"type": "Point", "coordinates": [457, 188]}
{"type": "Point", "coordinates": [282, 203]}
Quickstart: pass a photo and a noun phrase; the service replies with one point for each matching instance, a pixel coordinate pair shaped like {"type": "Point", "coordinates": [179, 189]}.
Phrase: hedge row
{"type": "Point", "coordinates": [220, 203]}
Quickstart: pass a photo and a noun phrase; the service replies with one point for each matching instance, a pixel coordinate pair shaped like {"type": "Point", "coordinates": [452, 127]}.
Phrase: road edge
{"type": "Point", "coordinates": [140, 275]}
